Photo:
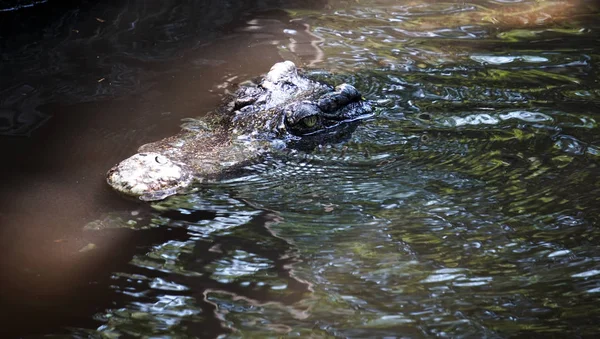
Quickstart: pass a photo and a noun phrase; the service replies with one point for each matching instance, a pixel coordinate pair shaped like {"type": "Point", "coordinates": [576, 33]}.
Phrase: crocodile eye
{"type": "Point", "coordinates": [310, 121]}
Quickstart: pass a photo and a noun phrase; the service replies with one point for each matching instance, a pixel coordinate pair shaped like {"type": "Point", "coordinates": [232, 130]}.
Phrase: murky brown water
{"type": "Point", "coordinates": [466, 208]}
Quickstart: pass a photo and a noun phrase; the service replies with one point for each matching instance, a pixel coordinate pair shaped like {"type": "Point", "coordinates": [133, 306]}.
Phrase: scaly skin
{"type": "Point", "coordinates": [284, 108]}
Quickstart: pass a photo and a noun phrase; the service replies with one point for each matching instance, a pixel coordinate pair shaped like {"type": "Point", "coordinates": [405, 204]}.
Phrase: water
{"type": "Point", "coordinates": [466, 207]}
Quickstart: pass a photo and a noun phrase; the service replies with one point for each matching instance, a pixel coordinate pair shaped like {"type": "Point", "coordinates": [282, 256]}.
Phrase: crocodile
{"type": "Point", "coordinates": [275, 112]}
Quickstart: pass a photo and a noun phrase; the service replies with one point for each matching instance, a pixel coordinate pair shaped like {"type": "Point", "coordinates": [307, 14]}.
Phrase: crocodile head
{"type": "Point", "coordinates": [286, 105]}
{"type": "Point", "coordinates": [283, 108]}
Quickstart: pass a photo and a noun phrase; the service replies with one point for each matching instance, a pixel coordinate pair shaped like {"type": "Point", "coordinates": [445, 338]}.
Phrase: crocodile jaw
{"type": "Point", "coordinates": [149, 176]}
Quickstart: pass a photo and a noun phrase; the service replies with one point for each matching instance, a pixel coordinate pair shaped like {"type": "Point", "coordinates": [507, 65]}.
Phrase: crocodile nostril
{"type": "Point", "coordinates": [160, 159]}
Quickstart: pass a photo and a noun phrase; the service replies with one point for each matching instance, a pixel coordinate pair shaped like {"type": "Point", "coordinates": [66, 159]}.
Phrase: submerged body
{"type": "Point", "coordinates": [284, 107]}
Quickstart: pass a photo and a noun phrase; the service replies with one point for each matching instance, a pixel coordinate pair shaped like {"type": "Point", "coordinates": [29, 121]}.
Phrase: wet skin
{"type": "Point", "coordinates": [282, 109]}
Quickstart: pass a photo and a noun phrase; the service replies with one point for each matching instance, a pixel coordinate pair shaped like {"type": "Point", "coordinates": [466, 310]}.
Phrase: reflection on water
{"type": "Point", "coordinates": [467, 207]}
{"type": "Point", "coordinates": [231, 263]}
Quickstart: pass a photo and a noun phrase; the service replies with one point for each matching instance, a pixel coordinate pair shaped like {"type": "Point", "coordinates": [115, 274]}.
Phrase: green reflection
{"type": "Point", "coordinates": [467, 207]}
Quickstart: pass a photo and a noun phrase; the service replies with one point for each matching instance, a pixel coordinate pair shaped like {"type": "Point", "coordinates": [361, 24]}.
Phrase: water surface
{"type": "Point", "coordinates": [466, 207]}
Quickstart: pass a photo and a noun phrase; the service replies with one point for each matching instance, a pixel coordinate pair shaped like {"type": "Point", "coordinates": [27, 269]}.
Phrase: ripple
{"type": "Point", "coordinates": [586, 274]}
{"type": "Point", "coordinates": [20, 5]}
{"type": "Point", "coordinates": [495, 119]}
{"type": "Point", "coordinates": [465, 207]}
{"type": "Point", "coordinates": [501, 60]}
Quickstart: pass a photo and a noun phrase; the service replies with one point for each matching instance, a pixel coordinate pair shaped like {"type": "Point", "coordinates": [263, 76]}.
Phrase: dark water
{"type": "Point", "coordinates": [467, 207]}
